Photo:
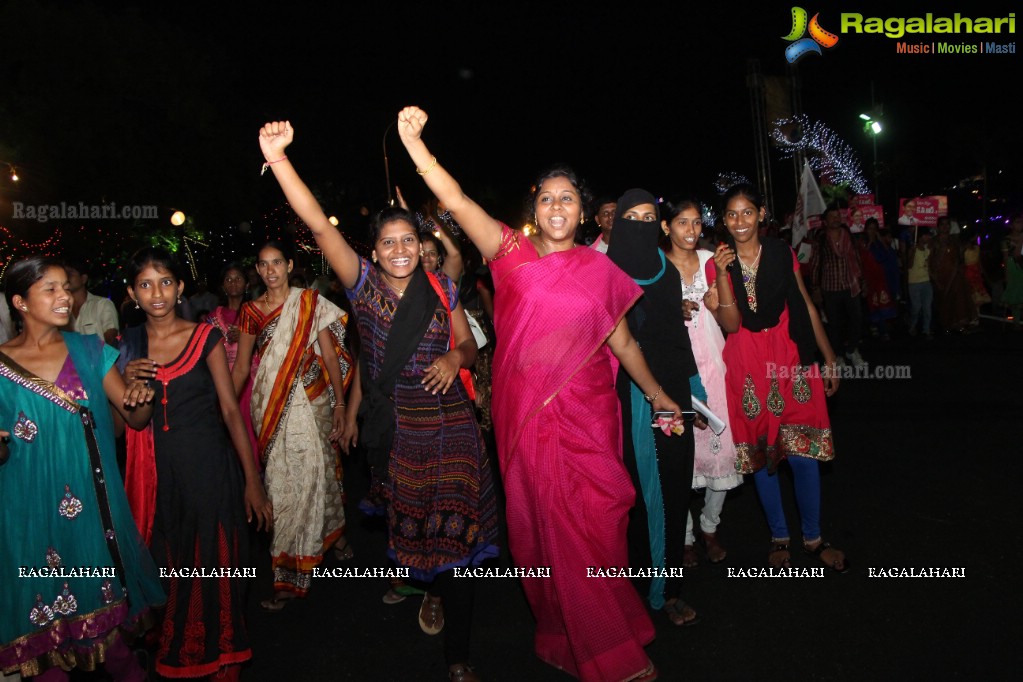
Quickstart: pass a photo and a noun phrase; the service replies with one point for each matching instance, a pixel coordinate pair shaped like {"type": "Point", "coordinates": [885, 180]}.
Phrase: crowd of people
{"type": "Point", "coordinates": [916, 280]}
{"type": "Point", "coordinates": [435, 356]}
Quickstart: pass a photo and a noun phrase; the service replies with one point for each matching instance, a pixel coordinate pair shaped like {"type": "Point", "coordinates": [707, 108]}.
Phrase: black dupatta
{"type": "Point", "coordinates": [412, 319]}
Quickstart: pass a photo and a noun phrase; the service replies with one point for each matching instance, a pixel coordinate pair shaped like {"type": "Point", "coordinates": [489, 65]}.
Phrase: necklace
{"type": "Point", "coordinates": [266, 300]}
{"type": "Point", "coordinates": [749, 278]}
{"type": "Point", "coordinates": [398, 290]}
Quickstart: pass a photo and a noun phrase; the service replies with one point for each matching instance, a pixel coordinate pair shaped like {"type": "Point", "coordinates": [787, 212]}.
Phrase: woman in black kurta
{"type": "Point", "coordinates": [194, 518]}
{"type": "Point", "coordinates": [657, 323]}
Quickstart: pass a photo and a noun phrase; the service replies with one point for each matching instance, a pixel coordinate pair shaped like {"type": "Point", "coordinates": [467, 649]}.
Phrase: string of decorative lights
{"type": "Point", "coordinates": [827, 153]}
{"type": "Point", "coordinates": [727, 180]}
{"type": "Point", "coordinates": [18, 248]}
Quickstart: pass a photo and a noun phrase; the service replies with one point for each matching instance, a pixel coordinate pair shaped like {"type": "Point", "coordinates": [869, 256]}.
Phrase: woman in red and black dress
{"type": "Point", "coordinates": [776, 395]}
{"type": "Point", "coordinates": [188, 493]}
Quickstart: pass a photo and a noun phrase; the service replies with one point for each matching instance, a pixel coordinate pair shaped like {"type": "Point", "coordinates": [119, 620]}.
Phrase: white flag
{"type": "Point", "coordinates": [809, 202]}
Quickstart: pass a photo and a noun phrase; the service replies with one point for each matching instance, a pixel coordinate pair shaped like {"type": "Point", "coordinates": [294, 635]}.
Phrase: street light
{"type": "Point", "coordinates": [13, 171]}
{"type": "Point", "coordinates": [387, 167]}
{"type": "Point", "coordinates": [872, 125]}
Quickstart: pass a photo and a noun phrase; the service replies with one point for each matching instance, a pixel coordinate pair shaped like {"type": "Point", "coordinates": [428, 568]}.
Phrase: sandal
{"type": "Point", "coordinates": [779, 556]}
{"type": "Point", "coordinates": [715, 552]}
{"type": "Point", "coordinates": [689, 557]}
{"type": "Point", "coordinates": [343, 552]}
{"type": "Point", "coordinates": [431, 615]}
{"type": "Point", "coordinates": [462, 672]}
{"type": "Point", "coordinates": [649, 674]}
{"type": "Point", "coordinates": [392, 597]}
{"type": "Point", "coordinates": [277, 602]}
{"type": "Point", "coordinates": [839, 565]}
{"type": "Point", "coordinates": [677, 611]}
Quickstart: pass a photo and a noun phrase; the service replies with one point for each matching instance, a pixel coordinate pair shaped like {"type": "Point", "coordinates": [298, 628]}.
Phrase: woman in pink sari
{"type": "Point", "coordinates": [558, 313]}
{"type": "Point", "coordinates": [225, 318]}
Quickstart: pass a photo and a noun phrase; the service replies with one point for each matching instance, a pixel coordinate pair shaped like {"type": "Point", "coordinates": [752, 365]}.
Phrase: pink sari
{"type": "Point", "coordinates": [558, 429]}
{"type": "Point", "coordinates": [222, 318]}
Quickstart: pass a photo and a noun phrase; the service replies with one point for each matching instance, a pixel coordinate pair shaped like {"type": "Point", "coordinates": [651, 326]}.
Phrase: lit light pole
{"type": "Point", "coordinates": [387, 168]}
{"type": "Point", "coordinates": [12, 169]}
{"type": "Point", "coordinates": [872, 125]}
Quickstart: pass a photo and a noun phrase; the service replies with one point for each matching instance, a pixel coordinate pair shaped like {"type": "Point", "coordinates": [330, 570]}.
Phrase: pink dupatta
{"type": "Point", "coordinates": [552, 315]}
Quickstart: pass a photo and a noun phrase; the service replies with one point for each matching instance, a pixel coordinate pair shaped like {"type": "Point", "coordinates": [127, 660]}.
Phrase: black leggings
{"type": "Point", "coordinates": [675, 467]}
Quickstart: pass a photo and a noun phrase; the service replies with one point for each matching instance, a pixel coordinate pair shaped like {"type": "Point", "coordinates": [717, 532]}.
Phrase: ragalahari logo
{"type": "Point", "coordinates": [801, 46]}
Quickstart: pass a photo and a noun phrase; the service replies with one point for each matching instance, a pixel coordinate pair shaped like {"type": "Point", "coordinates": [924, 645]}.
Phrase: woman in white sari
{"type": "Point", "coordinates": [298, 410]}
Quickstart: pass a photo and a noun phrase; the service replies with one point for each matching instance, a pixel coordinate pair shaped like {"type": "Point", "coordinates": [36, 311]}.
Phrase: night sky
{"type": "Point", "coordinates": [160, 104]}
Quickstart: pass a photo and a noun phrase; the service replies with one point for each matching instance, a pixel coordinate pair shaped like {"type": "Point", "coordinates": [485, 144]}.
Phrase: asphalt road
{"type": "Point", "coordinates": [924, 478]}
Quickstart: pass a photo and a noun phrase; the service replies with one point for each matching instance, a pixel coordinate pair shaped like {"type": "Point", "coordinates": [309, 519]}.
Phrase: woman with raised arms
{"type": "Point", "coordinates": [558, 313]}
{"type": "Point", "coordinates": [419, 428]}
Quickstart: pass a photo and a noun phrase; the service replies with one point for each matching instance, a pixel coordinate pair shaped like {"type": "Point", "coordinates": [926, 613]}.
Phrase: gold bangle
{"type": "Point", "coordinates": [723, 305]}
{"type": "Point", "coordinates": [430, 168]}
{"type": "Point", "coordinates": [652, 398]}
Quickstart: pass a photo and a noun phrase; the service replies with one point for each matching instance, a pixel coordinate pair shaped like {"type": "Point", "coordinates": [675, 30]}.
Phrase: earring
{"type": "Point", "coordinates": [582, 219]}
{"type": "Point", "coordinates": [421, 253]}
{"type": "Point", "coordinates": [374, 258]}
{"type": "Point", "coordinates": [179, 299]}
{"type": "Point", "coordinates": [136, 305]}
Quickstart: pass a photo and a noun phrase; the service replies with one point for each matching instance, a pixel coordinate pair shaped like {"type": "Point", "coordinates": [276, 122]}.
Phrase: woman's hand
{"type": "Point", "coordinates": [710, 299]}
{"type": "Point", "coordinates": [664, 403]}
{"type": "Point", "coordinates": [274, 138]}
{"type": "Point", "coordinates": [411, 121]}
{"type": "Point", "coordinates": [442, 373]}
{"type": "Point", "coordinates": [338, 422]}
{"type": "Point", "coordinates": [138, 393]}
{"type": "Point", "coordinates": [140, 369]}
{"type": "Point", "coordinates": [689, 310]}
{"type": "Point", "coordinates": [349, 437]}
{"type": "Point", "coordinates": [258, 505]}
{"type": "Point", "coordinates": [723, 257]}
{"type": "Point", "coordinates": [137, 375]}
{"type": "Point", "coordinates": [232, 333]}
{"type": "Point", "coordinates": [401, 200]}
{"type": "Point", "coordinates": [830, 375]}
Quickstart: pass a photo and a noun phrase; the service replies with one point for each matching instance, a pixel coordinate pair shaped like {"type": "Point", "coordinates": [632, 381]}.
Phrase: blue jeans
{"type": "Point", "coordinates": [807, 475]}
{"type": "Point", "coordinates": [921, 302]}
